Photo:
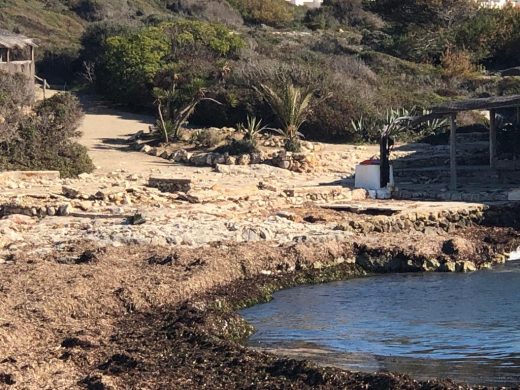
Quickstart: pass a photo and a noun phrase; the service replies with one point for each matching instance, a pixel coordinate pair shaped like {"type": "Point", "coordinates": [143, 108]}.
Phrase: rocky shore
{"type": "Point", "coordinates": [131, 287]}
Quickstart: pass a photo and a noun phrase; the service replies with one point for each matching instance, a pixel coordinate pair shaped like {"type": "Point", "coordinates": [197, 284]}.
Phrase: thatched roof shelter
{"type": "Point", "coordinates": [10, 40]}
{"type": "Point", "coordinates": [17, 54]}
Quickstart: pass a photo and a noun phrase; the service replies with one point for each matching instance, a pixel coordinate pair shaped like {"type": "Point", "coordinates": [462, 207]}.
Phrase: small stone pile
{"type": "Point", "coordinates": [295, 162]}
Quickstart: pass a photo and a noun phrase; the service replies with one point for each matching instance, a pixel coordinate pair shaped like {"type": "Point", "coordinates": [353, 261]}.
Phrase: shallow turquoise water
{"type": "Point", "coordinates": [462, 326]}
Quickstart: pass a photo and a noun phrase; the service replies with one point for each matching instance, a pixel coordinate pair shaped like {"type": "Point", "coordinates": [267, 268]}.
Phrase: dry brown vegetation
{"type": "Point", "coordinates": [87, 316]}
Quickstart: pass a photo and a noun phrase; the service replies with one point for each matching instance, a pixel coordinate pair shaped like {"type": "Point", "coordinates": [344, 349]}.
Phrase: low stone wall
{"type": "Point", "coordinates": [54, 209]}
{"type": "Point", "coordinates": [295, 162]}
{"type": "Point", "coordinates": [502, 215]}
{"type": "Point", "coordinates": [454, 196]}
{"type": "Point", "coordinates": [323, 194]}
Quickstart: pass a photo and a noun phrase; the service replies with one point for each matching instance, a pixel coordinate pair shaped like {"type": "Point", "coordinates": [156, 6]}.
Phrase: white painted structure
{"type": "Point", "coordinates": [307, 3]}
{"type": "Point", "coordinates": [369, 177]}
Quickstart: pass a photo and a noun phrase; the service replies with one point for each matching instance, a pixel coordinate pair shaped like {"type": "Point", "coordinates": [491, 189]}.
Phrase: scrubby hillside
{"type": "Point", "coordinates": [62, 22]}
{"type": "Point", "coordinates": [371, 59]}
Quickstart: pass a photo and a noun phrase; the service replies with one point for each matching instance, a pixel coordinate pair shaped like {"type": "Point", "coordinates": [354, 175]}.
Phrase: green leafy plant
{"type": "Point", "coordinates": [252, 129]}
{"type": "Point", "coordinates": [292, 105]}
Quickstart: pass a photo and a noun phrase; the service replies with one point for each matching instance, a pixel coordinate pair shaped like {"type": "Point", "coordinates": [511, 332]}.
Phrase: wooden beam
{"type": "Point", "coordinates": [453, 152]}
{"type": "Point", "coordinates": [33, 65]}
{"type": "Point", "coordinates": [384, 163]}
{"type": "Point", "coordinates": [492, 137]}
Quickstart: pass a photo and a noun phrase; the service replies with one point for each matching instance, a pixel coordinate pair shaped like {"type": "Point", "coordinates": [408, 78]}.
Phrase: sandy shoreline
{"type": "Point", "coordinates": [149, 316]}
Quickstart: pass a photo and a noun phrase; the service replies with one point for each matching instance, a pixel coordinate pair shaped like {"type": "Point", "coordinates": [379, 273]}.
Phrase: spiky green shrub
{"type": "Point", "coordinates": [252, 129]}
{"type": "Point", "coordinates": [292, 106]}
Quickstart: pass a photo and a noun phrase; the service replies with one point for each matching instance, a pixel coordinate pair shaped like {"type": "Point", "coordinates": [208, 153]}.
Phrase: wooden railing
{"type": "Point", "coordinates": [44, 83]}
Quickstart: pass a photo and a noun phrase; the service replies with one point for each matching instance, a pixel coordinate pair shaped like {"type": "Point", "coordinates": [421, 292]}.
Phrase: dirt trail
{"type": "Point", "coordinates": [105, 133]}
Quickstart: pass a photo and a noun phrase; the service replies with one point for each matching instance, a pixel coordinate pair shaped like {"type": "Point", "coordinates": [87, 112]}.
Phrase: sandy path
{"type": "Point", "coordinates": [105, 133]}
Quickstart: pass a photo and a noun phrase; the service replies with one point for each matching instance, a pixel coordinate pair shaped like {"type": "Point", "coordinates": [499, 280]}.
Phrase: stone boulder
{"type": "Point", "coordinates": [466, 266]}
{"type": "Point", "coordinates": [180, 156]}
{"type": "Point", "coordinates": [256, 234]}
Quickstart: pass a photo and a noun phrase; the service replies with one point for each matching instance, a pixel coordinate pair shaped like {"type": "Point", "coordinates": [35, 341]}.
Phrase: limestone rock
{"type": "Point", "coordinates": [465, 266]}
{"type": "Point", "coordinates": [70, 192]}
{"type": "Point", "coordinates": [180, 156]}
{"type": "Point", "coordinates": [199, 160]}
{"type": "Point", "coordinates": [244, 159]}
{"type": "Point", "coordinates": [146, 149]}
{"type": "Point", "coordinates": [448, 266]}
{"type": "Point", "coordinates": [431, 265]}
{"type": "Point", "coordinates": [256, 234]}
{"type": "Point", "coordinates": [19, 219]}
{"type": "Point", "coordinates": [230, 160]}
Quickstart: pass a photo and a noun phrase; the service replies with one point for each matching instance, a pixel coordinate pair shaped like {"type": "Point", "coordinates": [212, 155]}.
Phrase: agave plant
{"type": "Point", "coordinates": [433, 126]}
{"type": "Point", "coordinates": [292, 105]}
{"type": "Point", "coordinates": [251, 129]}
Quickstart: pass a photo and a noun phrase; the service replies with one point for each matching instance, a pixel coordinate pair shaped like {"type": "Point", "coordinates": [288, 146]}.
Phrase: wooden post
{"type": "Point", "coordinates": [8, 56]}
{"type": "Point", "coordinates": [384, 161]}
{"type": "Point", "coordinates": [453, 153]}
{"type": "Point", "coordinates": [33, 65]}
{"type": "Point", "coordinates": [492, 137]}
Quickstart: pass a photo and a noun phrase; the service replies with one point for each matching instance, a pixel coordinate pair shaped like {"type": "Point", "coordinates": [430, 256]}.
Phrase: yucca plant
{"type": "Point", "coordinates": [435, 125]}
{"type": "Point", "coordinates": [292, 105]}
{"type": "Point", "coordinates": [252, 129]}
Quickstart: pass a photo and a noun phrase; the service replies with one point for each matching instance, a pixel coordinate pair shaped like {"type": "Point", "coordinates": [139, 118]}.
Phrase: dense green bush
{"type": "Point", "coordinates": [492, 35]}
{"type": "Point", "coordinates": [15, 93]}
{"type": "Point", "coordinates": [44, 139]}
{"type": "Point", "coordinates": [132, 64]}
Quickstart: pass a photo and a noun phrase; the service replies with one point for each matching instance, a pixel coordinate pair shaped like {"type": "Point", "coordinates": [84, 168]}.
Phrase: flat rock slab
{"type": "Point", "coordinates": [28, 175]}
{"type": "Point", "coordinates": [170, 185]}
{"type": "Point", "coordinates": [364, 209]}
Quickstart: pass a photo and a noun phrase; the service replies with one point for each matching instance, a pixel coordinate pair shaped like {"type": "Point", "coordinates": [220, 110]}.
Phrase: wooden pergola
{"type": "Point", "coordinates": [11, 42]}
{"type": "Point", "coordinates": [451, 109]}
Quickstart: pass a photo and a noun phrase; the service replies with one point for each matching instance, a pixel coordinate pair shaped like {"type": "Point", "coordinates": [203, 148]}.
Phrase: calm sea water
{"type": "Point", "coordinates": [462, 326]}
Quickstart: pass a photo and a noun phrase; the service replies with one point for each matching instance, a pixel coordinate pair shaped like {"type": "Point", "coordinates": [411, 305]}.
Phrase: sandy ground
{"type": "Point", "coordinates": [105, 132]}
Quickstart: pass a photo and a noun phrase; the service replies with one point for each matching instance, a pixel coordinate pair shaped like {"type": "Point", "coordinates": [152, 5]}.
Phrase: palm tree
{"type": "Point", "coordinates": [292, 105]}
